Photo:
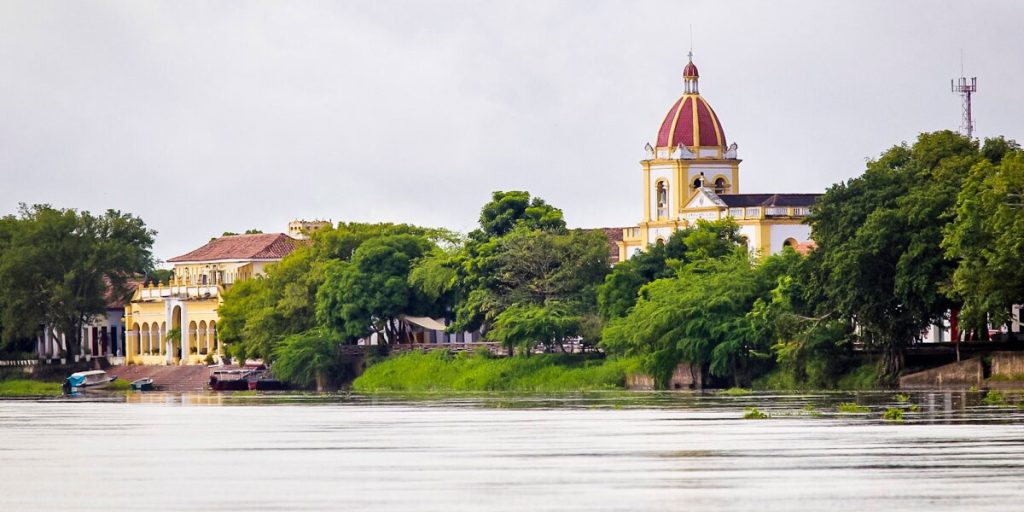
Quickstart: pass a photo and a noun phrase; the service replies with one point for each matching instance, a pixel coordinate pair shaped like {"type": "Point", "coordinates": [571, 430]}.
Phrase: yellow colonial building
{"type": "Point", "coordinates": [691, 173]}
{"type": "Point", "coordinates": [176, 323]}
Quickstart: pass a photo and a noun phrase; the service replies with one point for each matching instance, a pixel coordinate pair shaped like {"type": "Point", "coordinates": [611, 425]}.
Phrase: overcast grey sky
{"type": "Point", "coordinates": [204, 117]}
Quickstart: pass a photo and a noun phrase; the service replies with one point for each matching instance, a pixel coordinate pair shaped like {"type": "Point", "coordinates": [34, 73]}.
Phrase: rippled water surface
{"type": "Point", "coordinates": [601, 452]}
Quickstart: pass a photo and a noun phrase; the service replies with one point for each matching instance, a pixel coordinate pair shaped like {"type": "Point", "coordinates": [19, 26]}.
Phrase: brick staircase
{"type": "Point", "coordinates": [168, 378]}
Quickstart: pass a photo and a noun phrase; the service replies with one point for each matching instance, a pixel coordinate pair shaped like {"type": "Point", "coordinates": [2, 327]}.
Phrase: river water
{"type": "Point", "coordinates": [636, 452]}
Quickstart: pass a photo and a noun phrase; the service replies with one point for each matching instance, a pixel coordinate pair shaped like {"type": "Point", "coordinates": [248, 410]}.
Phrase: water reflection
{"type": "Point", "coordinates": [600, 451]}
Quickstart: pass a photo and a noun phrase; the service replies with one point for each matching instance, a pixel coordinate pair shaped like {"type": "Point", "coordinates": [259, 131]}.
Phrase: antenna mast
{"type": "Point", "coordinates": [965, 89]}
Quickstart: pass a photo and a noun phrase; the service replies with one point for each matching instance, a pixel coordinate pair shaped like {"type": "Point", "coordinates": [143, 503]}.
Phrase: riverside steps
{"type": "Point", "coordinates": [168, 378]}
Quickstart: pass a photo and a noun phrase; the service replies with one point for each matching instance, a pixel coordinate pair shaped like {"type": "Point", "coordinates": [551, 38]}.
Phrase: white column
{"type": "Point", "coordinates": [1015, 318]}
{"type": "Point", "coordinates": [184, 333]}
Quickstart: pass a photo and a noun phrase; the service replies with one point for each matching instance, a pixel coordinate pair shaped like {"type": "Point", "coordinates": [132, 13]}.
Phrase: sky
{"type": "Point", "coordinates": [207, 116]}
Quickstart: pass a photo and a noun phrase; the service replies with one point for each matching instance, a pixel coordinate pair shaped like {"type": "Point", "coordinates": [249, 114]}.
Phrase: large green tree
{"type": "Point", "coordinates": [58, 265]}
{"type": "Point", "coordinates": [987, 235]}
{"type": "Point", "coordinates": [703, 239]}
{"type": "Point", "coordinates": [370, 293]}
{"type": "Point", "coordinates": [702, 316]}
{"type": "Point", "coordinates": [530, 266]}
{"type": "Point", "coordinates": [879, 235]}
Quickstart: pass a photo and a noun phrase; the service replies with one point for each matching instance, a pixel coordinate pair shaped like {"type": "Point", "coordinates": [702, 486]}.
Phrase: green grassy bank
{"type": "Point", "coordinates": [25, 387]}
{"type": "Point", "coordinates": [441, 371]}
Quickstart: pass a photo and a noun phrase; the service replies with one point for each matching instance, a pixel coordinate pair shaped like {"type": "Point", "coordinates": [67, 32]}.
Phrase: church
{"type": "Point", "coordinates": [691, 172]}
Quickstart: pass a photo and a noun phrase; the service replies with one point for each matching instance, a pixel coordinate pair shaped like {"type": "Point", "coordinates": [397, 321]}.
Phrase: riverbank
{"type": "Point", "coordinates": [541, 373]}
{"type": "Point", "coordinates": [439, 371]}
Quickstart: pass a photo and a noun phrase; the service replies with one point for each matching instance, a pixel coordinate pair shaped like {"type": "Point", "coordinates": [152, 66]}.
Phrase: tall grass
{"type": "Point", "coordinates": [25, 387]}
{"type": "Point", "coordinates": [441, 371]}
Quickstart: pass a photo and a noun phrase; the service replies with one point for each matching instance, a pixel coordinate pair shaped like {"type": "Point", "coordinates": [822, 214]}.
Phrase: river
{"type": "Point", "coordinates": [635, 452]}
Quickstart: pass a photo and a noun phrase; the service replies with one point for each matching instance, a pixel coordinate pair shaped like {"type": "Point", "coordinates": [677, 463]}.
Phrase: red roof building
{"type": "Point", "coordinates": [261, 247]}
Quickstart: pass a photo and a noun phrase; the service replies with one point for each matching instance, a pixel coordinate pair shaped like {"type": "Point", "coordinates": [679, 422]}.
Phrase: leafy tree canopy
{"type": "Point", "coordinates": [701, 316]}
{"type": "Point", "coordinates": [987, 235]}
{"type": "Point", "coordinates": [57, 266]}
{"type": "Point", "coordinates": [702, 240]}
{"type": "Point", "coordinates": [506, 210]}
{"type": "Point", "coordinates": [879, 236]}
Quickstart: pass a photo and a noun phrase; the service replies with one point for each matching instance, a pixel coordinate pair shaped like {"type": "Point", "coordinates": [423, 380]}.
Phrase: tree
{"type": "Point", "coordinates": [307, 358]}
{"type": "Point", "coordinates": [259, 314]}
{"type": "Point", "coordinates": [701, 316]}
{"type": "Point", "coordinates": [812, 348]}
{"type": "Point", "coordinates": [704, 239]}
{"type": "Point", "coordinates": [529, 266]}
{"type": "Point", "coordinates": [57, 266]}
{"type": "Point", "coordinates": [522, 325]}
{"type": "Point", "coordinates": [506, 210]}
{"type": "Point", "coordinates": [369, 294]}
{"type": "Point", "coordinates": [878, 238]}
{"type": "Point", "coordinates": [987, 236]}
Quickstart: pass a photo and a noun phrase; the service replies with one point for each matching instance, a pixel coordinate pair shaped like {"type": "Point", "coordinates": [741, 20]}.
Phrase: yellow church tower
{"type": "Point", "coordinates": [692, 173]}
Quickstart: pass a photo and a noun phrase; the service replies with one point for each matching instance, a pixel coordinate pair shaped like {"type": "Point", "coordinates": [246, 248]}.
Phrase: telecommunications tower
{"type": "Point", "coordinates": [965, 88]}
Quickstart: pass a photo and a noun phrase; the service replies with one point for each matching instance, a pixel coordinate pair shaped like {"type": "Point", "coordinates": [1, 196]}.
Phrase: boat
{"type": "Point", "coordinates": [143, 384]}
{"type": "Point", "coordinates": [251, 377]}
{"type": "Point", "coordinates": [93, 379]}
{"type": "Point", "coordinates": [267, 383]}
{"type": "Point", "coordinates": [229, 380]}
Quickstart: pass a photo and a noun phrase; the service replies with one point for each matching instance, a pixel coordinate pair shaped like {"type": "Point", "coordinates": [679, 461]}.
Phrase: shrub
{"type": "Point", "coordinates": [735, 392]}
{"type": "Point", "coordinates": [853, 408]}
{"type": "Point", "coordinates": [865, 376]}
{"type": "Point", "coordinates": [25, 387]}
{"type": "Point", "coordinates": [893, 414]}
{"type": "Point", "coordinates": [441, 371]}
{"type": "Point", "coordinates": [752, 413]}
{"type": "Point", "coordinates": [994, 398]}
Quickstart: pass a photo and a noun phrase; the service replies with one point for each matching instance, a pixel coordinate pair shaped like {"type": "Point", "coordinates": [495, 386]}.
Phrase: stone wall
{"type": "Point", "coordinates": [963, 374]}
{"type": "Point", "coordinates": [1008, 363]}
{"type": "Point", "coordinates": [685, 376]}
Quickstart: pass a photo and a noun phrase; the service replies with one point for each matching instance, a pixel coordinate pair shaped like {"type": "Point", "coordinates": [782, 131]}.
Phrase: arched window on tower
{"type": "Point", "coordinates": [699, 181]}
{"type": "Point", "coordinates": [721, 186]}
{"type": "Point", "coordinates": [662, 197]}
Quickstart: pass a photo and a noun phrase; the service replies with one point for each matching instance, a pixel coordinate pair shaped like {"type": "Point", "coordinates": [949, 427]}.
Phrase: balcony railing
{"type": "Point", "coordinates": [178, 291]}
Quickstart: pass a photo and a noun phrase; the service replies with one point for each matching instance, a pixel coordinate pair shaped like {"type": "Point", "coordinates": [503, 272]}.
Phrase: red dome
{"type": "Point", "coordinates": [684, 126]}
{"type": "Point", "coordinates": [690, 71]}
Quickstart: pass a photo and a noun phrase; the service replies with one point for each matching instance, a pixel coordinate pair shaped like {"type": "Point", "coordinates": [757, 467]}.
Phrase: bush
{"type": "Point", "coordinates": [994, 398]}
{"type": "Point", "coordinates": [25, 387]}
{"type": "Point", "coordinates": [439, 370]}
{"type": "Point", "coordinates": [894, 414]}
{"type": "Point", "coordinates": [852, 408]}
{"type": "Point", "coordinates": [735, 392]}
{"type": "Point", "coordinates": [865, 376]}
{"type": "Point", "coordinates": [752, 413]}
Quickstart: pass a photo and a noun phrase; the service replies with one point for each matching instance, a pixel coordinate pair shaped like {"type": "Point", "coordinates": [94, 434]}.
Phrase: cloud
{"type": "Point", "coordinates": [204, 117]}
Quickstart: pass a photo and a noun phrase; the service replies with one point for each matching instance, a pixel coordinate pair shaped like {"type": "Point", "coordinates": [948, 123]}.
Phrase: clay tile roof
{"type": "Point", "coordinates": [613, 235]}
{"type": "Point", "coordinates": [117, 301]}
{"type": "Point", "coordinates": [264, 246]}
{"type": "Point", "coordinates": [806, 247]}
